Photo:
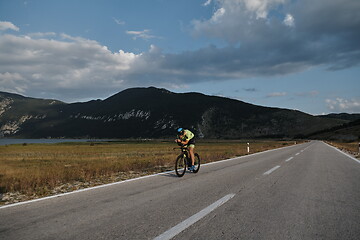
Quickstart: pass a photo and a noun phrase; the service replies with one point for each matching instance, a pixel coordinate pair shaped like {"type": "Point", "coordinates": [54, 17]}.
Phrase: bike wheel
{"type": "Point", "coordinates": [180, 165]}
{"type": "Point", "coordinates": [197, 163]}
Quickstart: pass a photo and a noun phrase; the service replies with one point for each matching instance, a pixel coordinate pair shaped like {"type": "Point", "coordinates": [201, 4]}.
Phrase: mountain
{"type": "Point", "coordinates": [16, 111]}
{"type": "Point", "coordinates": [345, 132]}
{"type": "Point", "coordinates": [343, 116]}
{"type": "Point", "coordinates": [153, 113]}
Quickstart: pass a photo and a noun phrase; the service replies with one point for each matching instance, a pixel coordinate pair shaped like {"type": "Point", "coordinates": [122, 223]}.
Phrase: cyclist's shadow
{"type": "Point", "coordinates": [169, 174]}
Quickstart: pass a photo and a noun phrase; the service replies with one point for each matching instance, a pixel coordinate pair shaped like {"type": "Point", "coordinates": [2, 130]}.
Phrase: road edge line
{"type": "Point", "coordinates": [353, 158]}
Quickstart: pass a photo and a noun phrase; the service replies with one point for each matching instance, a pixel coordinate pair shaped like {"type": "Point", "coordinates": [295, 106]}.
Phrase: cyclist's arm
{"type": "Point", "coordinates": [184, 142]}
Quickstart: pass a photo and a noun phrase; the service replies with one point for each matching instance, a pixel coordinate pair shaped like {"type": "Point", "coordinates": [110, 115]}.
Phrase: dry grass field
{"type": "Point", "coordinates": [350, 147]}
{"type": "Point", "coordinates": [35, 170]}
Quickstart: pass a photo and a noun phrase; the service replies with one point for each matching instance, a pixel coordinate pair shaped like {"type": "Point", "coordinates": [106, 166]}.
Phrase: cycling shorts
{"type": "Point", "coordinates": [191, 143]}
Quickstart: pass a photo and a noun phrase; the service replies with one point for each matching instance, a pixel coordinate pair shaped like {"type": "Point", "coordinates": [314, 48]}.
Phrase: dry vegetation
{"type": "Point", "coordinates": [35, 170]}
{"type": "Point", "coordinates": [350, 147]}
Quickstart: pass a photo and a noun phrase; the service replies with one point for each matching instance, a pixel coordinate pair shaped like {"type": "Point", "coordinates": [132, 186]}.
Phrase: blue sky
{"type": "Point", "coordinates": [291, 54]}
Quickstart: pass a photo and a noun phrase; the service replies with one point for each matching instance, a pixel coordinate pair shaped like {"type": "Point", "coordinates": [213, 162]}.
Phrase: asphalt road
{"type": "Point", "coordinates": [307, 191]}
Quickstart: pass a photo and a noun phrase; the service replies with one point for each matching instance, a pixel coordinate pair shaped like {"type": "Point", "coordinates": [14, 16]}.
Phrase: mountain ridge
{"type": "Point", "coordinates": [153, 113]}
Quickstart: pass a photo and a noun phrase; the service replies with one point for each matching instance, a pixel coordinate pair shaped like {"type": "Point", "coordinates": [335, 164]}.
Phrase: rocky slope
{"type": "Point", "coordinates": [152, 113]}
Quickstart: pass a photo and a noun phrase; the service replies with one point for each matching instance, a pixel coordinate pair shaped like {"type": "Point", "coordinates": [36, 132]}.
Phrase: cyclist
{"type": "Point", "coordinates": [186, 137]}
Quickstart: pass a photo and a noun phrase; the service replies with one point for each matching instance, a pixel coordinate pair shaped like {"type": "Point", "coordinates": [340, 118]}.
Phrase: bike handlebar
{"type": "Point", "coordinates": [181, 147]}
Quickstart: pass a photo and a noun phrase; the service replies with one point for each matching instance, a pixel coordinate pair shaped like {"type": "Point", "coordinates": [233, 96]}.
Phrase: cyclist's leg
{"type": "Point", "coordinates": [191, 146]}
{"type": "Point", "coordinates": [191, 152]}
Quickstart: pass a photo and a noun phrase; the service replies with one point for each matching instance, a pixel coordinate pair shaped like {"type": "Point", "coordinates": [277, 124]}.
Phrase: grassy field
{"type": "Point", "coordinates": [36, 170]}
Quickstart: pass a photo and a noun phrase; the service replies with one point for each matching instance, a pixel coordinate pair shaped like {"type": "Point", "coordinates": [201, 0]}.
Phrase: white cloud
{"type": "Point", "coordinates": [67, 68]}
{"type": "Point", "coordinates": [289, 20]}
{"type": "Point", "coordinates": [12, 82]}
{"type": "Point", "coordinates": [260, 44]}
{"type": "Point", "coordinates": [237, 20]}
{"type": "Point", "coordinates": [207, 3]}
{"type": "Point", "coordinates": [41, 35]}
{"type": "Point", "coordinates": [144, 34]}
{"type": "Point", "coordinates": [326, 32]}
{"type": "Point", "coordinates": [118, 21]}
{"type": "Point", "coordinates": [8, 25]}
{"type": "Point", "coordinates": [260, 7]}
{"type": "Point", "coordinates": [218, 15]}
{"type": "Point", "coordinates": [343, 105]}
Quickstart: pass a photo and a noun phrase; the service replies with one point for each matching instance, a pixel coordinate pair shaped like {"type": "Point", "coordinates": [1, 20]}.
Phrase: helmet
{"type": "Point", "coordinates": [180, 130]}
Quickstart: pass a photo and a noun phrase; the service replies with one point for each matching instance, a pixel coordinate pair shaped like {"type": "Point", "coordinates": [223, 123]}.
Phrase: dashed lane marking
{"type": "Point", "coordinates": [271, 170]}
{"type": "Point", "coordinates": [172, 232]}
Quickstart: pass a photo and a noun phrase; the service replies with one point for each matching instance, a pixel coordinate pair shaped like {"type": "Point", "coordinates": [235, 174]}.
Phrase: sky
{"type": "Point", "coordinates": [294, 54]}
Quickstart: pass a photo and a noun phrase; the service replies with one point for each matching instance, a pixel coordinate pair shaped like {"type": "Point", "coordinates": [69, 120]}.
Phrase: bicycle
{"type": "Point", "coordinates": [184, 160]}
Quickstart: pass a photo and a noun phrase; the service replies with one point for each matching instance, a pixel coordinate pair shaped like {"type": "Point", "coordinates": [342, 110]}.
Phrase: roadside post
{"type": "Point", "coordinates": [359, 149]}
{"type": "Point", "coordinates": [248, 148]}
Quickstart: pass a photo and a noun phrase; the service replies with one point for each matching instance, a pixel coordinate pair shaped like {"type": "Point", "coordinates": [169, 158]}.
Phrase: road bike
{"type": "Point", "coordinates": [184, 160]}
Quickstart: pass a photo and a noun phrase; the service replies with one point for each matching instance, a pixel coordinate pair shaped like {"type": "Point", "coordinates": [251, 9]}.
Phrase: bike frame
{"type": "Point", "coordinates": [185, 151]}
{"type": "Point", "coordinates": [185, 154]}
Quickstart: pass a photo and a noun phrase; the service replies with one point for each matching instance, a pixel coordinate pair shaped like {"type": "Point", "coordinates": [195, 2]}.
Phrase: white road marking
{"type": "Point", "coordinates": [356, 160]}
{"type": "Point", "coordinates": [289, 159]}
{"type": "Point", "coordinates": [297, 154]}
{"type": "Point", "coordinates": [172, 232]}
{"type": "Point", "coordinates": [271, 170]}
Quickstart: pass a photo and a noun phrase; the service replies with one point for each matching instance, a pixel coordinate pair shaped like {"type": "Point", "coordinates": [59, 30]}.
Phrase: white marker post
{"type": "Point", "coordinates": [359, 149]}
{"type": "Point", "coordinates": [248, 148]}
